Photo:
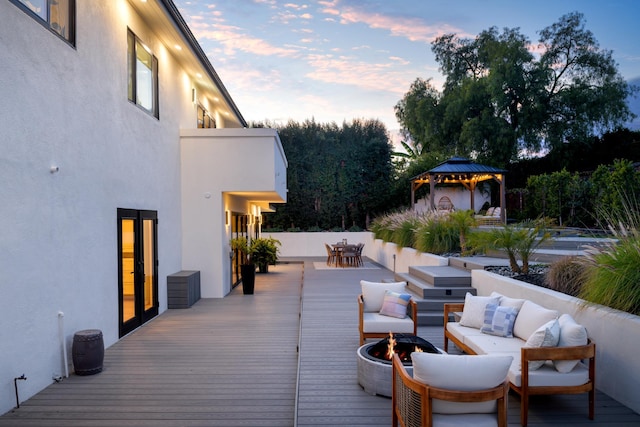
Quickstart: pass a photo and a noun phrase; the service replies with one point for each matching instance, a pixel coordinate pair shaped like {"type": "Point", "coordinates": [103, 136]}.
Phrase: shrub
{"type": "Point", "coordinates": [566, 275]}
{"type": "Point", "coordinates": [314, 229]}
{"type": "Point", "coordinates": [437, 236]}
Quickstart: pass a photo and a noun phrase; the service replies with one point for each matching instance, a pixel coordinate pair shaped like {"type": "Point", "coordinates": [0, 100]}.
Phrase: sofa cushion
{"type": "Point", "coordinates": [530, 317]}
{"type": "Point", "coordinates": [571, 334]}
{"type": "Point", "coordinates": [375, 322]}
{"type": "Point", "coordinates": [395, 304]}
{"type": "Point", "coordinates": [373, 293]}
{"type": "Point", "coordinates": [499, 320]}
{"type": "Point", "coordinates": [464, 373]}
{"type": "Point", "coordinates": [491, 344]}
{"type": "Point", "coordinates": [546, 335]}
{"type": "Point", "coordinates": [508, 302]}
{"type": "Point", "coordinates": [548, 376]}
{"type": "Point", "coordinates": [473, 313]}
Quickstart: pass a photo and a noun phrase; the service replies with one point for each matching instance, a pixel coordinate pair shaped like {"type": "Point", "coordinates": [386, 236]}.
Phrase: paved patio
{"type": "Point", "coordinates": [282, 357]}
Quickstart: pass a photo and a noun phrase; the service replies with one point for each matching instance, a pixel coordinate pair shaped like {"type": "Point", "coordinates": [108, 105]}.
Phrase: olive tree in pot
{"type": "Point", "coordinates": [264, 251]}
{"type": "Point", "coordinates": [241, 248]}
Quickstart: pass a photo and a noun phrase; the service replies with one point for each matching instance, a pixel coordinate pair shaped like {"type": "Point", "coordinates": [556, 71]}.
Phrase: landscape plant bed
{"type": "Point", "coordinates": [536, 275]}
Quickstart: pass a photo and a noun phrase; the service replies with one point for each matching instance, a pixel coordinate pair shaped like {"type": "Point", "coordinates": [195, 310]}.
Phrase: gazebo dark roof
{"type": "Point", "coordinates": [459, 170]}
{"type": "Point", "coordinates": [460, 165]}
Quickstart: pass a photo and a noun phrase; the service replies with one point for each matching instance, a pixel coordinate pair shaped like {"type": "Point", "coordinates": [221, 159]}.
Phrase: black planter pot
{"type": "Point", "coordinates": [263, 268]}
{"type": "Point", "coordinates": [248, 272]}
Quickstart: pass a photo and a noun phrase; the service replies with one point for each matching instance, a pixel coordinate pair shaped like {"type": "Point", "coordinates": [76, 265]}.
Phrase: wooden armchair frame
{"type": "Point", "coordinates": [583, 352]}
{"type": "Point", "coordinates": [412, 311]}
{"type": "Point", "coordinates": [411, 399]}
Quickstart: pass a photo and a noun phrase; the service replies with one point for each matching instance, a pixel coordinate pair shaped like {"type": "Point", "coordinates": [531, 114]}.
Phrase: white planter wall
{"type": "Point", "coordinates": [615, 333]}
{"type": "Point", "coordinates": [387, 254]}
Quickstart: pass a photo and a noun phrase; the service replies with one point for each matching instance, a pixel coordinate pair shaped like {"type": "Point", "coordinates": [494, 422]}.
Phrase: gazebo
{"type": "Point", "coordinates": [458, 170]}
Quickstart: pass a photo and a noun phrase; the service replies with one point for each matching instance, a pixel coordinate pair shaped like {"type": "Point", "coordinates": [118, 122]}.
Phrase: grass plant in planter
{"type": "Point", "coordinates": [264, 251]}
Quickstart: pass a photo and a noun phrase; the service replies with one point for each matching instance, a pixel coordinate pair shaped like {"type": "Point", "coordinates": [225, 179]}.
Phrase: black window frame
{"type": "Point", "coordinates": [132, 91]}
{"type": "Point", "coordinates": [71, 38]}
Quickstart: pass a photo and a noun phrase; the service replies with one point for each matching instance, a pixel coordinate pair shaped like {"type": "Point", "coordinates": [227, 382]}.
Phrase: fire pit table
{"type": "Point", "coordinates": [374, 361]}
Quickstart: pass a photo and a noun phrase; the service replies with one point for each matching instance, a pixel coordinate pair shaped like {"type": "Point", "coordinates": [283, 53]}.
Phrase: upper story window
{"type": "Point", "coordinates": [204, 118]}
{"type": "Point", "coordinates": [143, 75]}
{"type": "Point", "coordinates": [57, 15]}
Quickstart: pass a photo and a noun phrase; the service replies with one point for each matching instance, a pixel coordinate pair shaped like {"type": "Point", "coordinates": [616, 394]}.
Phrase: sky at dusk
{"type": "Point", "coordinates": [336, 60]}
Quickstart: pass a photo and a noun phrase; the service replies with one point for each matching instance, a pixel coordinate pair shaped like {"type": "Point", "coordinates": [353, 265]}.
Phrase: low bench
{"type": "Point", "coordinates": [545, 361]}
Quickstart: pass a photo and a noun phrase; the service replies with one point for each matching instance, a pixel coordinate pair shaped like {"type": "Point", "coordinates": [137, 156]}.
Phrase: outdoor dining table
{"type": "Point", "coordinates": [340, 249]}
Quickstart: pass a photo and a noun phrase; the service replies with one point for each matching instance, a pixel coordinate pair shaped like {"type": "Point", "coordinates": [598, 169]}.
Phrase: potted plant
{"type": "Point", "coordinates": [240, 246]}
{"type": "Point", "coordinates": [264, 251]}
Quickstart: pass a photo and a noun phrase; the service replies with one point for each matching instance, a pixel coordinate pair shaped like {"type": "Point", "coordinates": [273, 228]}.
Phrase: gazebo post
{"type": "Point", "coordinates": [503, 199]}
{"type": "Point", "coordinates": [432, 192]}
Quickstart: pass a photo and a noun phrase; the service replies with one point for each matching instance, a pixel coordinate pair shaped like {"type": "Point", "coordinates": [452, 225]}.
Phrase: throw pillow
{"type": "Point", "coordinates": [461, 372]}
{"type": "Point", "coordinates": [508, 302]}
{"type": "Point", "coordinates": [546, 335]}
{"type": "Point", "coordinates": [473, 312]}
{"type": "Point", "coordinates": [499, 320]}
{"type": "Point", "coordinates": [571, 334]}
{"type": "Point", "coordinates": [373, 293]}
{"type": "Point", "coordinates": [530, 317]}
{"type": "Point", "coordinates": [395, 304]}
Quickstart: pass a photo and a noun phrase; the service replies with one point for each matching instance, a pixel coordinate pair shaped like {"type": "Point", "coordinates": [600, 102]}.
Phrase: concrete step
{"type": "Point", "coordinates": [425, 290]}
{"type": "Point", "coordinates": [430, 318]}
{"type": "Point", "coordinates": [441, 276]}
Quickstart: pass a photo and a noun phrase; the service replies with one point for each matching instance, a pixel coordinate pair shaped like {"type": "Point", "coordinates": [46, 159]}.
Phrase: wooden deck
{"type": "Point", "coordinates": [234, 362]}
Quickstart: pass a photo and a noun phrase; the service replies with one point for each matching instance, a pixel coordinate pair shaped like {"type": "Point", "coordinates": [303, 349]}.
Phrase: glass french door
{"type": "Point", "coordinates": [137, 268]}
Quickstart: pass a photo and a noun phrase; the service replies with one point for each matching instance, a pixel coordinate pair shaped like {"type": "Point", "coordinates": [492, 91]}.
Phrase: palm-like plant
{"type": "Point", "coordinates": [517, 240]}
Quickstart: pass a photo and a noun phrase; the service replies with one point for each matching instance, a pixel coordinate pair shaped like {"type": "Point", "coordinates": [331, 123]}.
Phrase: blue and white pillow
{"type": "Point", "coordinates": [499, 320]}
{"type": "Point", "coordinates": [395, 304]}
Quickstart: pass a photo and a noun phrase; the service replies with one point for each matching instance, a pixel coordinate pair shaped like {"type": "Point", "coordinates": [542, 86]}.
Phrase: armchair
{"type": "Point", "coordinates": [373, 322]}
{"type": "Point", "coordinates": [450, 390]}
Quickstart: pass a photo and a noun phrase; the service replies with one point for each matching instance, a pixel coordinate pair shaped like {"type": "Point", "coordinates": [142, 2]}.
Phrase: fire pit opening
{"type": "Point", "coordinates": [401, 344]}
{"type": "Point", "coordinates": [374, 360]}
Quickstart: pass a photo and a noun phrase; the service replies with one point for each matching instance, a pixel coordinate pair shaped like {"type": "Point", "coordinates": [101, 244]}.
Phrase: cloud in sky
{"type": "Point", "coordinates": [339, 59]}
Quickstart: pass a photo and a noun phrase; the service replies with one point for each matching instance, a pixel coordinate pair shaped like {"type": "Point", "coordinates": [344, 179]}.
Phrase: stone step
{"type": "Point", "coordinates": [425, 290]}
{"type": "Point", "coordinates": [441, 276]}
{"type": "Point", "coordinates": [430, 318]}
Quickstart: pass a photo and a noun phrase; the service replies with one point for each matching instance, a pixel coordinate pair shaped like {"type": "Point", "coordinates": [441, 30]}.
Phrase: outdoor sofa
{"type": "Point", "coordinates": [552, 354]}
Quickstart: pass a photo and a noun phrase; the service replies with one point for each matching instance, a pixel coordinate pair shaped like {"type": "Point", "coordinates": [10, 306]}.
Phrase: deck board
{"type": "Point", "coordinates": [206, 366]}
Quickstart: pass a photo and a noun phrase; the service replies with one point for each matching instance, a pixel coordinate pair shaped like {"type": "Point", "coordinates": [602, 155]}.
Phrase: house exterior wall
{"type": "Point", "coordinates": [67, 107]}
{"type": "Point", "coordinates": [224, 169]}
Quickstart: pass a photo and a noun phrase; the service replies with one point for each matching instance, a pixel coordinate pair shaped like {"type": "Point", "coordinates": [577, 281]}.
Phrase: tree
{"type": "Point", "coordinates": [498, 100]}
{"type": "Point", "coordinates": [337, 176]}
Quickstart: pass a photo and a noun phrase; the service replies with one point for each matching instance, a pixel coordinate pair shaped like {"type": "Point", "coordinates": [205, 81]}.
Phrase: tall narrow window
{"type": "Point", "coordinates": [57, 15]}
{"type": "Point", "coordinates": [143, 75]}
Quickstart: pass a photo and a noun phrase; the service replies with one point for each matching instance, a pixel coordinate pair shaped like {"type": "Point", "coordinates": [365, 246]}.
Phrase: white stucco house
{"type": "Point", "coordinates": [123, 159]}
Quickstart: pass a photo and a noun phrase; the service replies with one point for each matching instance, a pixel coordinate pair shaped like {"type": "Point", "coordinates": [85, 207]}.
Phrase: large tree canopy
{"type": "Point", "coordinates": [500, 99]}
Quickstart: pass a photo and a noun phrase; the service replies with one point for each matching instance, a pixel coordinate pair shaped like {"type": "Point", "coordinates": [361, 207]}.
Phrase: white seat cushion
{"type": "Point", "coordinates": [373, 293]}
{"type": "Point", "coordinates": [376, 322]}
{"type": "Point", "coordinates": [508, 302]}
{"type": "Point", "coordinates": [490, 344]}
{"type": "Point", "coordinates": [548, 376]}
{"type": "Point", "coordinates": [463, 373]}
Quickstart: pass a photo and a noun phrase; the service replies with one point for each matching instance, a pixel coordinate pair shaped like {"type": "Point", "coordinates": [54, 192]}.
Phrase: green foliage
{"type": "Point", "coordinates": [437, 235]}
{"type": "Point", "coordinates": [499, 99]}
{"type": "Point", "coordinates": [314, 229]}
{"type": "Point", "coordinates": [517, 240]}
{"type": "Point", "coordinates": [462, 221]}
{"type": "Point", "coordinates": [566, 275]}
{"type": "Point", "coordinates": [337, 176]}
{"type": "Point", "coordinates": [560, 195]}
{"type": "Point", "coordinates": [240, 247]}
{"type": "Point", "coordinates": [612, 186]}
{"type": "Point", "coordinates": [264, 251]}
{"type": "Point", "coordinates": [612, 276]}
